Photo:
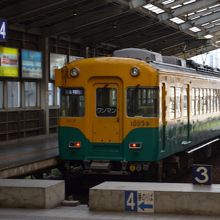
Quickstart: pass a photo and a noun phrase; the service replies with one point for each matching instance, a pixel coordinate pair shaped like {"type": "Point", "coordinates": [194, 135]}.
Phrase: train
{"type": "Point", "coordinates": [135, 113]}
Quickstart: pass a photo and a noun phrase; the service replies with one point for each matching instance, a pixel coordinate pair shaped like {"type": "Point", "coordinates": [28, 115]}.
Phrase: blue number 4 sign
{"type": "Point", "coordinates": [3, 30]}
{"type": "Point", "coordinates": [131, 201]}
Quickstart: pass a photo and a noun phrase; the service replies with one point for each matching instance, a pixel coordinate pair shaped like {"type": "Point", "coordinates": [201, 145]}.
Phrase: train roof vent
{"type": "Point", "coordinates": [174, 61]}
{"type": "Point", "coordinates": [141, 54]}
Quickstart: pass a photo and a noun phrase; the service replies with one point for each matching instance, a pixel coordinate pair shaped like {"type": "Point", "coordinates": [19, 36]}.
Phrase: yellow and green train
{"type": "Point", "coordinates": [127, 113]}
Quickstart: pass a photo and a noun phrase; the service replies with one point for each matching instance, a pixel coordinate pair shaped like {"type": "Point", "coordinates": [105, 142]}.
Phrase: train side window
{"type": "Point", "coordinates": [218, 95]}
{"type": "Point", "coordinates": [193, 101]}
{"type": "Point", "coordinates": [205, 101]}
{"type": "Point", "coordinates": [1, 95]}
{"type": "Point", "coordinates": [211, 100]}
{"type": "Point", "coordinates": [172, 102]}
{"type": "Point", "coordinates": [72, 102]}
{"type": "Point", "coordinates": [201, 98]}
{"type": "Point", "coordinates": [197, 107]}
{"type": "Point", "coordinates": [208, 101]}
{"type": "Point", "coordinates": [215, 100]}
{"type": "Point", "coordinates": [185, 102]}
{"type": "Point", "coordinates": [143, 102]}
{"type": "Point", "coordinates": [178, 102]}
{"type": "Point", "coordinates": [106, 102]}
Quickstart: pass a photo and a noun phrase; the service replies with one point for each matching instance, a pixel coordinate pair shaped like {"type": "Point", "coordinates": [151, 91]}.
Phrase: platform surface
{"type": "Point", "coordinates": [82, 213]}
{"type": "Point", "coordinates": [139, 197]}
{"type": "Point", "coordinates": [31, 193]}
{"type": "Point", "coordinates": [154, 186]}
{"type": "Point", "coordinates": [17, 153]}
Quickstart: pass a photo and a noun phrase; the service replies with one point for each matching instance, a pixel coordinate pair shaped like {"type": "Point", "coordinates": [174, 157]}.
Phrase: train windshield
{"type": "Point", "coordinates": [143, 102]}
{"type": "Point", "coordinates": [72, 102]}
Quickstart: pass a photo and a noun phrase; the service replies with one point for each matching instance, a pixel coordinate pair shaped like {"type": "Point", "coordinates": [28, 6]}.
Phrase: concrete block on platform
{"type": "Point", "coordinates": [174, 198]}
{"type": "Point", "coordinates": [25, 193]}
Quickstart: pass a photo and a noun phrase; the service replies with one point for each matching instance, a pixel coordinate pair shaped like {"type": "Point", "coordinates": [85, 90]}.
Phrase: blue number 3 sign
{"type": "Point", "coordinates": [202, 174]}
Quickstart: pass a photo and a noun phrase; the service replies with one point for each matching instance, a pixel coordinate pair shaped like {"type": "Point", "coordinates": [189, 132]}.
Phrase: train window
{"type": "Point", "coordinates": [172, 102]}
{"type": "Point", "coordinates": [211, 97]}
{"type": "Point", "coordinates": [201, 97]}
{"type": "Point", "coordinates": [30, 94]}
{"type": "Point", "coordinates": [208, 101]}
{"type": "Point", "coordinates": [215, 100]}
{"type": "Point", "coordinates": [13, 94]}
{"type": "Point", "coordinates": [205, 101]}
{"type": "Point", "coordinates": [106, 102]}
{"type": "Point", "coordinates": [142, 102]}
{"type": "Point", "coordinates": [185, 102]}
{"type": "Point", "coordinates": [72, 102]}
{"type": "Point", "coordinates": [193, 101]}
{"type": "Point", "coordinates": [218, 101]}
{"type": "Point", "coordinates": [197, 101]}
{"type": "Point", "coordinates": [1, 95]}
{"type": "Point", "coordinates": [178, 102]}
{"type": "Point", "coordinates": [58, 96]}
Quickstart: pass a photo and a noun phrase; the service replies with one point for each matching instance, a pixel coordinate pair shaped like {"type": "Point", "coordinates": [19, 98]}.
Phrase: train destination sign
{"type": "Point", "coordinates": [3, 30]}
{"type": "Point", "coordinates": [139, 201]}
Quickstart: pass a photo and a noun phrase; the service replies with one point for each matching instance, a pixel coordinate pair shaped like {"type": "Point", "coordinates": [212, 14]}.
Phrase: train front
{"type": "Point", "coordinates": [109, 115]}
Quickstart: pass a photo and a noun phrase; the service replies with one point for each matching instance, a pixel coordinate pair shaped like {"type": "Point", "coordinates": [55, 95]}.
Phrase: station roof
{"type": "Point", "coordinates": [171, 27]}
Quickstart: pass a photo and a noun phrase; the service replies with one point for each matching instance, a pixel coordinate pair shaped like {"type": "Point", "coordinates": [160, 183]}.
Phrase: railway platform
{"type": "Point", "coordinates": [82, 213]}
{"type": "Point", "coordinates": [24, 156]}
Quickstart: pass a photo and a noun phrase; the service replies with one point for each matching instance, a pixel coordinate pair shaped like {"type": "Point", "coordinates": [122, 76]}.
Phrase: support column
{"type": "Point", "coordinates": [44, 47]}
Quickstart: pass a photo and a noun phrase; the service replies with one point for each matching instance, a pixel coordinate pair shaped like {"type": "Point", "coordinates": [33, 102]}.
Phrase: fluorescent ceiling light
{"type": "Point", "coordinates": [216, 20]}
{"type": "Point", "coordinates": [189, 2]}
{"type": "Point", "coordinates": [167, 2]}
{"type": "Point", "coordinates": [218, 41]}
{"type": "Point", "coordinates": [153, 8]}
{"type": "Point", "coordinates": [177, 20]}
{"type": "Point", "coordinates": [176, 6]}
{"type": "Point", "coordinates": [194, 29]}
{"type": "Point", "coordinates": [195, 18]}
{"type": "Point", "coordinates": [205, 24]}
{"type": "Point", "coordinates": [192, 13]}
{"type": "Point", "coordinates": [208, 13]}
{"type": "Point", "coordinates": [208, 36]}
{"type": "Point", "coordinates": [201, 10]}
{"type": "Point", "coordinates": [210, 26]}
{"type": "Point", "coordinates": [217, 10]}
{"type": "Point", "coordinates": [213, 6]}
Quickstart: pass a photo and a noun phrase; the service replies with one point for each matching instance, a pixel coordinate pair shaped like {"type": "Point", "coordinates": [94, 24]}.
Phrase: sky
{"type": "Point", "coordinates": [211, 58]}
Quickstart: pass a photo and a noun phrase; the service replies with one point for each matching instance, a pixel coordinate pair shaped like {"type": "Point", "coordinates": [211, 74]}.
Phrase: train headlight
{"type": "Point", "coordinates": [134, 71]}
{"type": "Point", "coordinates": [74, 72]}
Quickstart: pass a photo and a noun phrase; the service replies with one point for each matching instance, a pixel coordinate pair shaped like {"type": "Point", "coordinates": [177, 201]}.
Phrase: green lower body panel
{"type": "Point", "coordinates": [155, 143]}
{"type": "Point", "coordinates": [146, 137]}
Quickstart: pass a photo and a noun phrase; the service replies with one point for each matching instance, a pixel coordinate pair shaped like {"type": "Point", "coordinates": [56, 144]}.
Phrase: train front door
{"type": "Point", "coordinates": [106, 111]}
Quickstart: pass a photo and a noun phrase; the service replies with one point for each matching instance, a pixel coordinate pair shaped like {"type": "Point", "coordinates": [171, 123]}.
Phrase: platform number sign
{"type": "Point", "coordinates": [131, 201]}
{"type": "Point", "coordinates": [202, 174]}
{"type": "Point", "coordinates": [3, 30]}
{"type": "Point", "coordinates": [139, 201]}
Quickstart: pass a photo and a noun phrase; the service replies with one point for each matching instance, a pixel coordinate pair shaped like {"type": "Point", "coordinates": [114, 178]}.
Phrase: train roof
{"type": "Point", "coordinates": [167, 63]}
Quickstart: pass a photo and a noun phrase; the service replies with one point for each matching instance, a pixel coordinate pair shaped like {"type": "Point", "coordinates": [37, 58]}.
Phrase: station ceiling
{"type": "Point", "coordinates": [171, 27]}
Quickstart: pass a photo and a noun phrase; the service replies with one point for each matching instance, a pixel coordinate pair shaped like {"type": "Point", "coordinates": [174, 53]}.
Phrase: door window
{"type": "Point", "coordinates": [106, 102]}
